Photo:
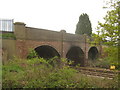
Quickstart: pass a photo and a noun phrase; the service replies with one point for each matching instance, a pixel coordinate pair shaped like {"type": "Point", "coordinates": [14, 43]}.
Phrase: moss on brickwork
{"type": "Point", "coordinates": [7, 36]}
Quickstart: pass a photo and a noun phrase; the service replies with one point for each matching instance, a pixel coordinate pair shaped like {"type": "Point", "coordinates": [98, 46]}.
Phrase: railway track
{"type": "Point", "coordinates": [105, 73]}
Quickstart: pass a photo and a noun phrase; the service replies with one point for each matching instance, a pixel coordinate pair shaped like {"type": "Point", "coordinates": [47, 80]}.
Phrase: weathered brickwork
{"type": "Point", "coordinates": [31, 38]}
{"type": "Point", "coordinates": [30, 44]}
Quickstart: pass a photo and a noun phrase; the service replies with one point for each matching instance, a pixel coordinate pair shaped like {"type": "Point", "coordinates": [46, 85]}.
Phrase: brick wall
{"type": "Point", "coordinates": [27, 38]}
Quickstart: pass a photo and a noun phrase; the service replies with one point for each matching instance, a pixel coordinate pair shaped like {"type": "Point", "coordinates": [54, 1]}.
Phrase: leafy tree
{"type": "Point", "coordinates": [96, 39]}
{"type": "Point", "coordinates": [84, 25]}
{"type": "Point", "coordinates": [109, 29]}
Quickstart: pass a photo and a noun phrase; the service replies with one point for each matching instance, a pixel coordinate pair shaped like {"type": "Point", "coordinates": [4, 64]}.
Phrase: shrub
{"type": "Point", "coordinates": [40, 73]}
{"type": "Point", "coordinates": [112, 56]}
{"type": "Point", "coordinates": [101, 63]}
{"type": "Point", "coordinates": [61, 78]}
{"type": "Point", "coordinates": [32, 54]}
{"type": "Point", "coordinates": [24, 73]}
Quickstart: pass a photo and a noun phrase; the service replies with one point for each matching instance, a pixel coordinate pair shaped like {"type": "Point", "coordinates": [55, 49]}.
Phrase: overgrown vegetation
{"type": "Point", "coordinates": [7, 36]}
{"type": "Point", "coordinates": [108, 35]}
{"type": "Point", "coordinates": [112, 56]}
{"type": "Point", "coordinates": [37, 72]}
{"type": "Point", "coordinates": [108, 58]}
{"type": "Point", "coordinates": [99, 63]}
{"type": "Point", "coordinates": [41, 73]}
{"type": "Point", "coordinates": [109, 30]}
{"type": "Point", "coordinates": [32, 54]}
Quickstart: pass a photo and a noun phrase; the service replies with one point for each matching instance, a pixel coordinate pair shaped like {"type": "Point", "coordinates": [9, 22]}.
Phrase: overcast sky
{"type": "Point", "coordinates": [52, 14]}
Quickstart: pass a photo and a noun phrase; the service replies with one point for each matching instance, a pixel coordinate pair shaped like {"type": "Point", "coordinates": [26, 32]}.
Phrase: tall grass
{"type": "Point", "coordinates": [53, 73]}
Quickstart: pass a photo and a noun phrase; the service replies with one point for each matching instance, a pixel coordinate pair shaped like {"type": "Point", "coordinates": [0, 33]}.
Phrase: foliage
{"type": "Point", "coordinates": [32, 54]}
{"type": "Point", "coordinates": [100, 63]}
{"type": "Point", "coordinates": [84, 25]}
{"type": "Point", "coordinates": [61, 78]}
{"type": "Point", "coordinates": [55, 62]}
{"type": "Point", "coordinates": [112, 55]}
{"type": "Point", "coordinates": [8, 36]}
{"type": "Point", "coordinates": [111, 58]}
{"type": "Point", "coordinates": [28, 72]}
{"type": "Point", "coordinates": [39, 73]}
{"type": "Point", "coordinates": [109, 29]}
{"type": "Point", "coordinates": [108, 34]}
{"type": "Point", "coordinates": [96, 39]}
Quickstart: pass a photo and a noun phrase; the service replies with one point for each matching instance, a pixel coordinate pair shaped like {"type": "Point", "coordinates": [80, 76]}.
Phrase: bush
{"type": "Point", "coordinates": [32, 54]}
{"type": "Point", "coordinates": [100, 63]}
{"type": "Point", "coordinates": [112, 56]}
{"type": "Point", "coordinates": [61, 78]}
{"type": "Point", "coordinates": [40, 73]}
{"type": "Point", "coordinates": [24, 73]}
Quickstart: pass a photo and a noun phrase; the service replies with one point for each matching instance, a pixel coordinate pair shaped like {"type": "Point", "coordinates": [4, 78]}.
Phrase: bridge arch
{"type": "Point", "coordinates": [46, 51]}
{"type": "Point", "coordinates": [75, 54]}
{"type": "Point", "coordinates": [93, 53]}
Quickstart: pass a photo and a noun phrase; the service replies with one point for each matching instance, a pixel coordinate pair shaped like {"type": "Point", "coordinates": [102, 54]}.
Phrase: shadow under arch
{"type": "Point", "coordinates": [76, 54]}
{"type": "Point", "coordinates": [46, 52]}
{"type": "Point", "coordinates": [93, 53]}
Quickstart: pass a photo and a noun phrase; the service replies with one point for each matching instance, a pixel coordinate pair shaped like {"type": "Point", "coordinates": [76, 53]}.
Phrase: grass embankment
{"type": "Point", "coordinates": [41, 73]}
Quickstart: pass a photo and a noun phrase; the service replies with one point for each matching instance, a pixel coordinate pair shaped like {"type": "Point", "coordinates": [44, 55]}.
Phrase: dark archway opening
{"type": "Point", "coordinates": [77, 55]}
{"type": "Point", "coordinates": [46, 52]}
{"type": "Point", "coordinates": [93, 53]}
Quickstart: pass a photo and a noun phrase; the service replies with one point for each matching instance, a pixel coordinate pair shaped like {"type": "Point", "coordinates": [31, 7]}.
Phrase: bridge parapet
{"type": "Point", "coordinates": [42, 34]}
{"type": "Point", "coordinates": [29, 33]}
{"type": "Point", "coordinates": [73, 37]}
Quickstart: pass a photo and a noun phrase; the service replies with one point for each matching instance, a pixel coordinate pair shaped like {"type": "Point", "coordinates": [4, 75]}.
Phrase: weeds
{"type": "Point", "coordinates": [53, 73]}
{"type": "Point", "coordinates": [8, 36]}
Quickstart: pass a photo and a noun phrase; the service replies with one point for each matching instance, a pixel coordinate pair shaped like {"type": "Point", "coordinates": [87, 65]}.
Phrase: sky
{"type": "Point", "coordinates": [53, 15]}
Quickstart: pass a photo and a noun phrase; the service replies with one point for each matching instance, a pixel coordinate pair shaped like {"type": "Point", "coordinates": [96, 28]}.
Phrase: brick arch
{"type": "Point", "coordinates": [46, 51]}
{"type": "Point", "coordinates": [76, 54]}
{"type": "Point", "coordinates": [68, 45]}
{"type": "Point", "coordinates": [45, 44]}
{"type": "Point", "coordinates": [30, 44]}
{"type": "Point", "coordinates": [93, 53]}
{"type": "Point", "coordinates": [97, 47]}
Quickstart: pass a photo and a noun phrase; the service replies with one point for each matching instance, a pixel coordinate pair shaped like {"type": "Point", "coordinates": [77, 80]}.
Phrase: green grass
{"type": "Point", "coordinates": [41, 73]}
{"type": "Point", "coordinates": [7, 36]}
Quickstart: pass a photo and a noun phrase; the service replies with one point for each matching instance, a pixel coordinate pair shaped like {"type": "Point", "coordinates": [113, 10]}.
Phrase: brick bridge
{"type": "Point", "coordinates": [49, 44]}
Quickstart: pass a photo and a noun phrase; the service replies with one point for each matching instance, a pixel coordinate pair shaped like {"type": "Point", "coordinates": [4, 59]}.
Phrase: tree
{"type": "Point", "coordinates": [109, 29]}
{"type": "Point", "coordinates": [84, 25]}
